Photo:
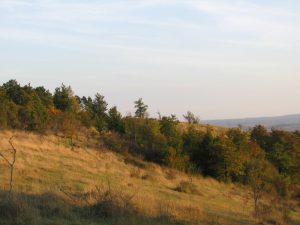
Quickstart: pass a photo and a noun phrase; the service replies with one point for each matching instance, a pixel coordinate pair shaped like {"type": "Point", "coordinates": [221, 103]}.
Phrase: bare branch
{"type": "Point", "coordinates": [68, 195]}
{"type": "Point", "coordinates": [11, 164]}
{"type": "Point", "coordinates": [8, 162]}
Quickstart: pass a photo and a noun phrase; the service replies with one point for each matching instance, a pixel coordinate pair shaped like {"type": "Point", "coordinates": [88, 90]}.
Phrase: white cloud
{"type": "Point", "coordinates": [239, 22]}
{"type": "Point", "coordinates": [267, 24]}
{"type": "Point", "coordinates": [222, 42]}
{"type": "Point", "coordinates": [78, 16]}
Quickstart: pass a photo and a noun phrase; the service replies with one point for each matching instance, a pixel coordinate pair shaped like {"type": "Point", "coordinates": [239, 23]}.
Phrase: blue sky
{"type": "Point", "coordinates": [219, 59]}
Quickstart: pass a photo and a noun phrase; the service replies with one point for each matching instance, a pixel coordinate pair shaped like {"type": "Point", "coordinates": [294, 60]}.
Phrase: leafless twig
{"type": "Point", "coordinates": [11, 163]}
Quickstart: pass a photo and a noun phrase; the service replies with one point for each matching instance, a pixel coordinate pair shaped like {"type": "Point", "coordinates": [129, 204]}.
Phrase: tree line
{"type": "Point", "coordinates": [263, 159]}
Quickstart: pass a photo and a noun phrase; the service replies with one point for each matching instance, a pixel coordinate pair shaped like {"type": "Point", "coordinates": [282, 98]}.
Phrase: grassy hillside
{"type": "Point", "coordinates": [47, 170]}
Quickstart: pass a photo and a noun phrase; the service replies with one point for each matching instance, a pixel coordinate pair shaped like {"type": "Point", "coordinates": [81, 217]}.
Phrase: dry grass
{"type": "Point", "coordinates": [45, 164]}
{"type": "Point", "coordinates": [216, 130]}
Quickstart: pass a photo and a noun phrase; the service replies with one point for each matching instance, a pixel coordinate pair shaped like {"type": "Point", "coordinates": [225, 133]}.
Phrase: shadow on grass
{"type": "Point", "coordinates": [50, 209]}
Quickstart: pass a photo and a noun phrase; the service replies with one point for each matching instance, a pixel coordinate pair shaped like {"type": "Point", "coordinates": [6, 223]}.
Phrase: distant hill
{"type": "Point", "coordinates": [287, 122]}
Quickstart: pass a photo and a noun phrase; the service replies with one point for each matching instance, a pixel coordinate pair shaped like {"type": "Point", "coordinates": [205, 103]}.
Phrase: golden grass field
{"type": "Point", "coordinates": [47, 164]}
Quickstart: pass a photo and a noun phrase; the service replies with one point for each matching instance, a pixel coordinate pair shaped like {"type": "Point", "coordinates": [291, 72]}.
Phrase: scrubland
{"type": "Point", "coordinates": [55, 183]}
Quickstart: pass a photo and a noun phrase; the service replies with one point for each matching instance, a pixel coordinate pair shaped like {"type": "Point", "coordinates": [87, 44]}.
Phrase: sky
{"type": "Point", "coordinates": [217, 58]}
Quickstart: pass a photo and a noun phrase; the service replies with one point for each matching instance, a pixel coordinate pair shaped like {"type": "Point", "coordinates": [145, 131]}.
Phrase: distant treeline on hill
{"type": "Point", "coordinates": [265, 160]}
{"type": "Point", "coordinates": [287, 122]}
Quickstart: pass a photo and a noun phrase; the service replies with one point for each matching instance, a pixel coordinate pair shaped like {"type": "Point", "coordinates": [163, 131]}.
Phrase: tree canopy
{"type": "Point", "coordinates": [249, 157]}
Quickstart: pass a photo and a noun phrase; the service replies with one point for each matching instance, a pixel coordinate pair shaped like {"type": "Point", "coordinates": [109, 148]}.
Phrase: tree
{"type": "Point", "coordinates": [10, 163]}
{"type": "Point", "coordinates": [260, 135]}
{"type": "Point", "coordinates": [259, 174]}
{"type": "Point", "coordinates": [4, 108]}
{"type": "Point", "coordinates": [281, 158]}
{"type": "Point", "coordinates": [176, 159]}
{"type": "Point", "coordinates": [283, 152]}
{"type": "Point", "coordinates": [86, 112]}
{"type": "Point", "coordinates": [15, 92]}
{"type": "Point", "coordinates": [238, 137]}
{"type": "Point", "coordinates": [99, 108]}
{"type": "Point", "coordinates": [70, 125]}
{"type": "Point", "coordinates": [45, 96]}
{"type": "Point", "coordinates": [99, 105]}
{"type": "Point", "coordinates": [141, 108]}
{"type": "Point", "coordinates": [191, 118]}
{"type": "Point", "coordinates": [168, 127]}
{"type": "Point", "coordinates": [63, 98]}
{"type": "Point", "coordinates": [146, 138]}
{"type": "Point", "coordinates": [220, 159]}
{"type": "Point", "coordinates": [194, 143]}
{"type": "Point", "coordinates": [115, 121]}
{"type": "Point", "coordinates": [86, 104]}
{"type": "Point", "coordinates": [33, 116]}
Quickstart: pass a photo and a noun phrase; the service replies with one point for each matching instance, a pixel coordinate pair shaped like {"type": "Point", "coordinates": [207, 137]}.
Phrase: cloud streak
{"type": "Point", "coordinates": [258, 23]}
{"type": "Point", "coordinates": [201, 50]}
{"type": "Point", "coordinates": [270, 25]}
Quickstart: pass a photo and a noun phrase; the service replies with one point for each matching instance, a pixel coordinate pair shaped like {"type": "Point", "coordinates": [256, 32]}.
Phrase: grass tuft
{"type": "Point", "coordinates": [187, 187]}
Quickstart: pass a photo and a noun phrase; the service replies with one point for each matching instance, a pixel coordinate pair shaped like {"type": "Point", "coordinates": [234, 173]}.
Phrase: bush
{"type": "Point", "coordinates": [134, 161]}
{"type": "Point", "coordinates": [51, 206]}
{"type": "Point", "coordinates": [187, 187]}
{"type": "Point", "coordinates": [135, 172]}
{"type": "Point", "coordinates": [17, 211]}
{"type": "Point", "coordinates": [114, 142]}
{"type": "Point", "coordinates": [112, 204]}
{"type": "Point", "coordinates": [170, 175]}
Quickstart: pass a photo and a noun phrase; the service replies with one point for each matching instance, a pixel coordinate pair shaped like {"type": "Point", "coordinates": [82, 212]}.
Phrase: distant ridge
{"type": "Point", "coordinates": [286, 122]}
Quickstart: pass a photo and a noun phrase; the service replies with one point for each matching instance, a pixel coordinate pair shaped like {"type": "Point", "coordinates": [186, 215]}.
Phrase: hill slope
{"type": "Point", "coordinates": [46, 164]}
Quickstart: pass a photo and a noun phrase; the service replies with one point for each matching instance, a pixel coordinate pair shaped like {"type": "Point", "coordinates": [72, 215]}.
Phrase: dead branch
{"type": "Point", "coordinates": [60, 188]}
{"type": "Point", "coordinates": [11, 163]}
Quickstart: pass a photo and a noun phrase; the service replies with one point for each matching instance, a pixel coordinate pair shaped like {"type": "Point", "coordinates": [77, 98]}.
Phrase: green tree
{"type": "Point", "coordinates": [15, 92]}
{"type": "Point", "coordinates": [86, 112]}
{"type": "Point", "coordinates": [238, 137]}
{"type": "Point", "coordinates": [63, 98]}
{"type": "Point", "coordinates": [177, 159]}
{"type": "Point", "coordinates": [259, 176]}
{"type": "Point", "coordinates": [281, 158]}
{"type": "Point", "coordinates": [168, 127]}
{"type": "Point", "coordinates": [99, 108]}
{"type": "Point", "coordinates": [115, 121]}
{"type": "Point", "coordinates": [33, 116]}
{"type": "Point", "coordinates": [223, 160]}
{"type": "Point", "coordinates": [146, 138]}
{"type": "Point", "coordinates": [141, 108]}
{"type": "Point", "coordinates": [86, 104]}
{"type": "Point", "coordinates": [192, 139]}
{"type": "Point", "coordinates": [283, 151]}
{"type": "Point", "coordinates": [45, 96]}
{"type": "Point", "coordinates": [191, 118]}
{"type": "Point", "coordinates": [260, 135]}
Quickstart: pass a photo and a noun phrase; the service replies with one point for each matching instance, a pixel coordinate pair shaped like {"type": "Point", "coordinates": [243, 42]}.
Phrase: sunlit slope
{"type": "Point", "coordinates": [217, 130]}
{"type": "Point", "coordinates": [48, 164]}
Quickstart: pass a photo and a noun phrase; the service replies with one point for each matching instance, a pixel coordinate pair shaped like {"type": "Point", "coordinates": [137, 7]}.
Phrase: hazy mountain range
{"type": "Point", "coordinates": [286, 122]}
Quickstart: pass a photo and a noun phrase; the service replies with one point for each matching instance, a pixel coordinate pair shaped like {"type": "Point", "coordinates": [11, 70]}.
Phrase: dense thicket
{"type": "Point", "coordinates": [258, 157]}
